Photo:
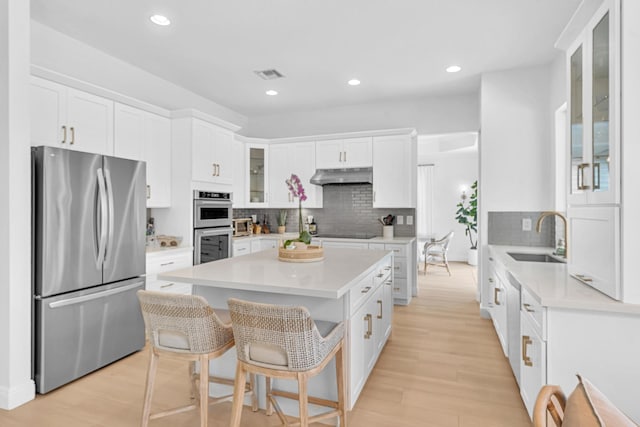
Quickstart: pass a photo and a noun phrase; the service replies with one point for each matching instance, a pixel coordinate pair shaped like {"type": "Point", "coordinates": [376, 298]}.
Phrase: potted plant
{"type": "Point", "coordinates": [282, 221]}
{"type": "Point", "coordinates": [297, 191]}
{"type": "Point", "coordinates": [467, 215]}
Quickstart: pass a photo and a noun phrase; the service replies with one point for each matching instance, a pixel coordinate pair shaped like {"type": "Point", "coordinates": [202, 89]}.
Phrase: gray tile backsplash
{"type": "Point", "coordinates": [505, 228]}
{"type": "Point", "coordinates": [347, 209]}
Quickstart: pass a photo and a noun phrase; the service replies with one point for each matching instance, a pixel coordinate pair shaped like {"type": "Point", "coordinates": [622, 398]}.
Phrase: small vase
{"type": "Point", "coordinates": [281, 229]}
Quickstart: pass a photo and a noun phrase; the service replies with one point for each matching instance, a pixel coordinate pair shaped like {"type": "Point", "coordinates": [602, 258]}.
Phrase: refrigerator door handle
{"type": "Point", "coordinates": [84, 298]}
{"type": "Point", "coordinates": [102, 245]}
{"type": "Point", "coordinates": [107, 176]}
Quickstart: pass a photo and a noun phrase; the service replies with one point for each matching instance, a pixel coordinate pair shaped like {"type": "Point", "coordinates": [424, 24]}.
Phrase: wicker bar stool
{"type": "Point", "coordinates": [284, 342]}
{"type": "Point", "coordinates": [186, 327]}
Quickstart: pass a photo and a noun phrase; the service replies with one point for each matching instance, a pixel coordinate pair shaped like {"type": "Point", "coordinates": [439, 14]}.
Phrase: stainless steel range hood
{"type": "Point", "coordinates": [343, 176]}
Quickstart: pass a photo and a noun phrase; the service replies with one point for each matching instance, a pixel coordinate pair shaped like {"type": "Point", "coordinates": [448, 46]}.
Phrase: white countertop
{"type": "Point", "coordinates": [551, 284]}
{"type": "Point", "coordinates": [333, 277]}
{"type": "Point", "coordinates": [285, 236]}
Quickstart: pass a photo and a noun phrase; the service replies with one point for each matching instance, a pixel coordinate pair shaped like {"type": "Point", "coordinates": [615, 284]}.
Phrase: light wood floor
{"type": "Point", "coordinates": [443, 368]}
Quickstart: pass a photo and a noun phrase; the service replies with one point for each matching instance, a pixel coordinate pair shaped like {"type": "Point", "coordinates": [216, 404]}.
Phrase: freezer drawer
{"type": "Point", "coordinates": [80, 332]}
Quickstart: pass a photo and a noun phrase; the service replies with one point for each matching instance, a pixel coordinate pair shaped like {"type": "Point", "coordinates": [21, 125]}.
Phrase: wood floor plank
{"type": "Point", "coordinates": [443, 367]}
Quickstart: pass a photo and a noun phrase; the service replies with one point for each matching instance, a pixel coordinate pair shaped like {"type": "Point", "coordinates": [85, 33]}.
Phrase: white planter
{"type": "Point", "coordinates": [472, 257]}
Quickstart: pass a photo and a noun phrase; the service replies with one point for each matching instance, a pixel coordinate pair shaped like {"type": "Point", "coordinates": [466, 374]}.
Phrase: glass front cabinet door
{"type": "Point", "coordinates": [594, 99]}
{"type": "Point", "coordinates": [256, 180]}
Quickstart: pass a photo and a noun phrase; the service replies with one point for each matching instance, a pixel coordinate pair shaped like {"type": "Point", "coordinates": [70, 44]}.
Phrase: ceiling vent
{"type": "Point", "coordinates": [269, 74]}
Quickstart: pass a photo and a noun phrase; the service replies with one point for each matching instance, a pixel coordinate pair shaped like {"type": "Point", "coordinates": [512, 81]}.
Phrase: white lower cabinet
{"type": "Point", "coordinates": [370, 326]}
{"type": "Point", "coordinates": [164, 261]}
{"type": "Point", "coordinates": [498, 306]}
{"type": "Point", "coordinates": [241, 248]}
{"type": "Point", "coordinates": [533, 362]}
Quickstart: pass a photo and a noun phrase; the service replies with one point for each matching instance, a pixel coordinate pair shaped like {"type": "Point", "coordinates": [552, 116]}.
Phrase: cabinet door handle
{"type": "Point", "coordinates": [526, 340]}
{"type": "Point", "coordinates": [596, 176]}
{"type": "Point", "coordinates": [495, 295]}
{"type": "Point", "coordinates": [527, 307]}
{"type": "Point", "coordinates": [167, 285]}
{"type": "Point", "coordinates": [365, 289]}
{"type": "Point", "coordinates": [345, 156]}
{"type": "Point", "coordinates": [73, 135]}
{"type": "Point", "coordinates": [148, 191]}
{"type": "Point", "coordinates": [64, 134]}
{"type": "Point", "coordinates": [369, 319]}
{"type": "Point", "coordinates": [379, 275]}
{"type": "Point", "coordinates": [374, 196]}
{"type": "Point", "coordinates": [213, 166]}
{"type": "Point", "coordinates": [166, 263]}
{"type": "Point", "coordinates": [396, 289]}
{"type": "Point", "coordinates": [490, 259]}
{"type": "Point", "coordinates": [379, 309]}
{"type": "Point", "coordinates": [340, 157]}
{"type": "Point", "coordinates": [584, 278]}
{"type": "Point", "coordinates": [490, 279]}
{"type": "Point", "coordinates": [581, 185]}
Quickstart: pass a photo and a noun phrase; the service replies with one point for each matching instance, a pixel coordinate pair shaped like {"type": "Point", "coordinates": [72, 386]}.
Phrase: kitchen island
{"type": "Point", "coordinates": [349, 285]}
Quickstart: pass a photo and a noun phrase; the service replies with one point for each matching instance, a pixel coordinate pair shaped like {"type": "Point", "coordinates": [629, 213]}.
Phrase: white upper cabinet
{"type": "Point", "coordinates": [69, 118]}
{"type": "Point", "coordinates": [157, 151]}
{"type": "Point", "coordinates": [593, 65]}
{"type": "Point", "coordinates": [394, 171]}
{"type": "Point", "coordinates": [344, 153]}
{"type": "Point", "coordinates": [257, 167]}
{"type": "Point", "coordinates": [239, 199]}
{"type": "Point", "coordinates": [212, 153]}
{"type": "Point", "coordinates": [295, 158]}
{"type": "Point", "coordinates": [140, 135]}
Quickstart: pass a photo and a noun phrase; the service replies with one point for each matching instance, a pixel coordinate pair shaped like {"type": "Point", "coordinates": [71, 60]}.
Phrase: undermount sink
{"type": "Point", "coordinates": [533, 257]}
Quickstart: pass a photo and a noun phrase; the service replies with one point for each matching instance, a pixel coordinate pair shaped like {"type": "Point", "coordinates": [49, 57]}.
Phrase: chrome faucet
{"type": "Point", "coordinates": [564, 219]}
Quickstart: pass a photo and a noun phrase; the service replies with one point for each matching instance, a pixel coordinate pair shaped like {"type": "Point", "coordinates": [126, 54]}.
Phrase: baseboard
{"type": "Point", "coordinates": [484, 313]}
{"type": "Point", "coordinates": [13, 397]}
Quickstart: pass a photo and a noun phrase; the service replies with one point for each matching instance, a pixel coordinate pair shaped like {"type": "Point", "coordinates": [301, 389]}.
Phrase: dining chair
{"type": "Point", "coordinates": [435, 252]}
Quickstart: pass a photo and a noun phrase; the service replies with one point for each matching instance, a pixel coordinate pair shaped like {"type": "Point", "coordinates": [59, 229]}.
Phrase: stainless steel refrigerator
{"type": "Point", "coordinates": [89, 214]}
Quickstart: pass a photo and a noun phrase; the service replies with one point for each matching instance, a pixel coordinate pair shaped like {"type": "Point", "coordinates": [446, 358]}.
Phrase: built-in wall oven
{"type": "Point", "coordinates": [212, 226]}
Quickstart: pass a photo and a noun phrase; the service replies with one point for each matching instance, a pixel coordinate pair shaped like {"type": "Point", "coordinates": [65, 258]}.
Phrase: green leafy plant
{"type": "Point", "coordinates": [282, 218]}
{"type": "Point", "coordinates": [467, 214]}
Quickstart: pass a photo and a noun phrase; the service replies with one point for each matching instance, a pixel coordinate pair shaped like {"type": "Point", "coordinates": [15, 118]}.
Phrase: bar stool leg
{"type": "Point", "coordinates": [195, 391]}
{"type": "Point", "coordinates": [204, 390]}
{"type": "Point", "coordinates": [254, 394]}
{"type": "Point", "coordinates": [148, 392]}
{"type": "Point", "coordinates": [238, 395]}
{"type": "Point", "coordinates": [303, 392]}
{"type": "Point", "coordinates": [267, 381]}
{"type": "Point", "coordinates": [341, 386]}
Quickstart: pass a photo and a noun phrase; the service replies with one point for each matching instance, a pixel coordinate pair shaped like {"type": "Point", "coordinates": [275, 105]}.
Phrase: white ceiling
{"type": "Point", "coordinates": [397, 48]}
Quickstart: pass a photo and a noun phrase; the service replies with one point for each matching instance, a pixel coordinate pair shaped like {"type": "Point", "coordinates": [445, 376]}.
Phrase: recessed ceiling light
{"type": "Point", "coordinates": [160, 20]}
{"type": "Point", "coordinates": [453, 69]}
{"type": "Point", "coordinates": [271, 92]}
{"type": "Point", "coordinates": [354, 82]}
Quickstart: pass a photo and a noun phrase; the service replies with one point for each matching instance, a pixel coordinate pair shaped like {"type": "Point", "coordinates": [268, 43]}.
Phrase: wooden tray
{"type": "Point", "coordinates": [311, 254]}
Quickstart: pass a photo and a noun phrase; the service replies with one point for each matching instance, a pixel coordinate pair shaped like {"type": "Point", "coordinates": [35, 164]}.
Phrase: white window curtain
{"type": "Point", "coordinates": [424, 211]}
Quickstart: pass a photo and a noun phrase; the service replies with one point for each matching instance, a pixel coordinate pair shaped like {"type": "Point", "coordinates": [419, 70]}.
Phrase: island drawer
{"type": "Point", "coordinates": [536, 313]}
{"type": "Point", "coordinates": [400, 267]}
{"type": "Point", "coordinates": [359, 293]}
{"type": "Point", "coordinates": [400, 289]}
{"type": "Point", "coordinates": [164, 286]}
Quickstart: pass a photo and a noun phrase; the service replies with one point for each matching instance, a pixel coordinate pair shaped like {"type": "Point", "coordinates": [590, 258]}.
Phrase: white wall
{"type": "Point", "coordinates": [452, 170]}
{"type": "Point", "coordinates": [55, 51]}
{"type": "Point", "coordinates": [429, 115]}
{"type": "Point", "coordinates": [516, 145]}
{"type": "Point", "coordinates": [16, 386]}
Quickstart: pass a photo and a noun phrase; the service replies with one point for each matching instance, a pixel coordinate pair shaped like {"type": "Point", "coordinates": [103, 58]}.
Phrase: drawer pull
{"type": "Point", "coordinates": [365, 290]}
{"type": "Point", "coordinates": [388, 282]}
{"type": "Point", "coordinates": [379, 309]}
{"type": "Point", "coordinates": [168, 285]}
{"type": "Point", "coordinates": [495, 295]}
{"type": "Point", "coordinates": [380, 275]}
{"type": "Point", "coordinates": [526, 340]}
{"type": "Point", "coordinates": [527, 307]}
{"type": "Point", "coordinates": [387, 268]}
{"type": "Point", "coordinates": [396, 289]}
{"type": "Point", "coordinates": [584, 278]}
{"type": "Point", "coordinates": [490, 258]}
{"type": "Point", "coordinates": [490, 279]}
{"type": "Point", "coordinates": [369, 319]}
{"type": "Point", "coordinates": [167, 263]}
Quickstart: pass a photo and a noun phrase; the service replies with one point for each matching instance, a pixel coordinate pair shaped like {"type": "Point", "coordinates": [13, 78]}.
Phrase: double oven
{"type": "Point", "coordinates": [212, 226]}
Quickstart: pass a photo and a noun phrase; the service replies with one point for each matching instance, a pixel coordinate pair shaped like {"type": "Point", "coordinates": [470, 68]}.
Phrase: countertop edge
{"type": "Point", "coordinates": [599, 301]}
